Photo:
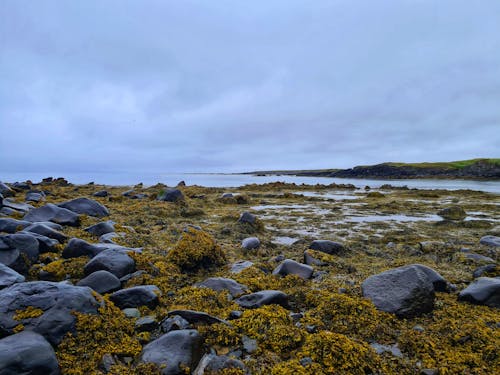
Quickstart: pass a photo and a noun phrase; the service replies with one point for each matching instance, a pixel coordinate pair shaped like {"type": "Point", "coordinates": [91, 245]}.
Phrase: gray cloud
{"type": "Point", "coordinates": [230, 86]}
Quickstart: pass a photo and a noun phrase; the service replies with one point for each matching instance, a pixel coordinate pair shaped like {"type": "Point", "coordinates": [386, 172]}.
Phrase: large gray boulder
{"type": "Point", "coordinates": [20, 207]}
{"type": "Point", "coordinates": [56, 214]}
{"type": "Point", "coordinates": [57, 302]}
{"type": "Point", "coordinates": [143, 295]}
{"type": "Point", "coordinates": [19, 251]}
{"type": "Point", "coordinates": [174, 351]}
{"type": "Point", "coordinates": [291, 267]}
{"type": "Point", "coordinates": [328, 247]}
{"type": "Point", "coordinates": [8, 276]}
{"type": "Point", "coordinates": [493, 241]}
{"type": "Point", "coordinates": [171, 195]}
{"type": "Point", "coordinates": [27, 353]}
{"type": "Point", "coordinates": [405, 291]}
{"type": "Point", "coordinates": [115, 261]}
{"type": "Point", "coordinates": [85, 206]}
{"type": "Point", "coordinates": [438, 281]}
{"type": "Point", "coordinates": [101, 281]}
{"type": "Point", "coordinates": [264, 297]}
{"type": "Point", "coordinates": [221, 283]}
{"type": "Point", "coordinates": [482, 291]}
{"type": "Point", "coordinates": [34, 196]}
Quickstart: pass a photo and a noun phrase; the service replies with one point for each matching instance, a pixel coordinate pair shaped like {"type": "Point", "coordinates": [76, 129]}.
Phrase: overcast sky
{"type": "Point", "coordinates": [245, 85]}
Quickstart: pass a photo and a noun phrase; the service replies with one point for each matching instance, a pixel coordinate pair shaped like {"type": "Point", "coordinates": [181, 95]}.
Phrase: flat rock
{"type": "Point", "coordinates": [174, 351]}
{"type": "Point", "coordinates": [328, 247]}
{"type": "Point", "coordinates": [21, 207]}
{"type": "Point", "coordinates": [241, 265]}
{"type": "Point", "coordinates": [56, 214]}
{"type": "Point", "coordinates": [115, 261]}
{"type": "Point", "coordinates": [101, 228]}
{"type": "Point", "coordinates": [171, 195]}
{"type": "Point", "coordinates": [46, 231]}
{"type": "Point", "coordinates": [493, 241]}
{"type": "Point", "coordinates": [85, 206]}
{"type": "Point", "coordinates": [220, 283]}
{"type": "Point", "coordinates": [405, 291]}
{"type": "Point", "coordinates": [250, 243]}
{"type": "Point", "coordinates": [101, 281]}
{"type": "Point", "coordinates": [34, 196]}
{"type": "Point", "coordinates": [8, 276]}
{"type": "Point", "coordinates": [264, 297]}
{"type": "Point", "coordinates": [482, 291]}
{"type": "Point", "coordinates": [9, 225]}
{"type": "Point", "coordinates": [291, 267]}
{"type": "Point", "coordinates": [27, 353]}
{"type": "Point", "coordinates": [143, 295]}
{"type": "Point", "coordinates": [57, 302]}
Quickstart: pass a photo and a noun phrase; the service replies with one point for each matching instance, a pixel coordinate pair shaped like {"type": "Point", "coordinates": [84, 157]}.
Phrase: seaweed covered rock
{"type": "Point", "coordinates": [175, 351]}
{"type": "Point", "coordinates": [171, 195]}
{"type": "Point", "coordinates": [405, 291]}
{"type": "Point", "coordinates": [291, 267]}
{"type": "Point", "coordinates": [101, 228]}
{"type": "Point", "coordinates": [8, 276]}
{"type": "Point", "coordinates": [264, 297]}
{"type": "Point", "coordinates": [27, 353]}
{"type": "Point", "coordinates": [101, 281]}
{"type": "Point", "coordinates": [112, 260]}
{"type": "Point", "coordinates": [44, 307]}
{"type": "Point", "coordinates": [452, 213]}
{"type": "Point", "coordinates": [221, 283]}
{"type": "Point", "coordinates": [85, 206]}
{"type": "Point", "coordinates": [143, 295]}
{"type": "Point", "coordinates": [328, 247]}
{"type": "Point", "coordinates": [56, 214]}
{"type": "Point", "coordinates": [196, 249]}
{"type": "Point", "coordinates": [482, 291]}
{"type": "Point", "coordinates": [9, 225]}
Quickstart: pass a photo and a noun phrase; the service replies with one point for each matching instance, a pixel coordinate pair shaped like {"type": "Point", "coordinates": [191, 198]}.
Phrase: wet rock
{"type": "Point", "coordinates": [241, 265]}
{"type": "Point", "coordinates": [143, 295]}
{"type": "Point", "coordinates": [101, 228]}
{"type": "Point", "coordinates": [220, 283]}
{"type": "Point", "coordinates": [490, 241]}
{"type": "Point", "coordinates": [482, 291]}
{"type": "Point", "coordinates": [193, 317]}
{"type": "Point", "coordinates": [9, 225]}
{"type": "Point", "coordinates": [247, 217]}
{"type": "Point", "coordinates": [19, 251]}
{"type": "Point", "coordinates": [250, 243]}
{"type": "Point", "coordinates": [146, 324]}
{"type": "Point", "coordinates": [34, 196]}
{"type": "Point", "coordinates": [57, 303]}
{"type": "Point", "coordinates": [291, 267]}
{"type": "Point", "coordinates": [101, 193]}
{"type": "Point", "coordinates": [46, 231]}
{"type": "Point", "coordinates": [452, 213]}
{"type": "Point", "coordinates": [85, 206]}
{"type": "Point", "coordinates": [56, 214]}
{"type": "Point", "coordinates": [8, 276]}
{"type": "Point", "coordinates": [27, 353]}
{"type": "Point", "coordinates": [264, 297]}
{"type": "Point", "coordinates": [115, 261]}
{"type": "Point", "coordinates": [214, 364]}
{"type": "Point", "coordinates": [328, 247]}
{"type": "Point", "coordinates": [101, 281]}
{"type": "Point", "coordinates": [480, 271]}
{"type": "Point", "coordinates": [171, 195]}
{"type": "Point", "coordinates": [174, 351]}
{"type": "Point", "coordinates": [405, 291]}
{"type": "Point", "coordinates": [173, 323]}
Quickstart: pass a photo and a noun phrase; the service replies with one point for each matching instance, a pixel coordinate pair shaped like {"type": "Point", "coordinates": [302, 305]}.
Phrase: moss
{"type": "Point", "coordinates": [66, 268]}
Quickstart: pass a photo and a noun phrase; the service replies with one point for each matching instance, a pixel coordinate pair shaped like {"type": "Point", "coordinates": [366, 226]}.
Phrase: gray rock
{"type": "Point", "coordinates": [482, 291]}
{"type": "Point", "coordinates": [51, 212]}
{"type": "Point", "coordinates": [115, 261]}
{"type": "Point", "coordinates": [174, 322]}
{"type": "Point", "coordinates": [480, 271]}
{"type": "Point", "coordinates": [328, 247]}
{"type": "Point", "coordinates": [101, 281]}
{"type": "Point", "coordinates": [171, 195]}
{"type": "Point", "coordinates": [46, 231]}
{"type": "Point", "coordinates": [438, 281]}
{"type": "Point", "coordinates": [58, 301]}
{"type": "Point", "coordinates": [192, 317]}
{"type": "Point", "coordinates": [478, 258]}
{"type": "Point", "coordinates": [249, 345]}
{"type": "Point", "coordinates": [247, 217]}
{"type": "Point", "coordinates": [250, 243]}
{"type": "Point", "coordinates": [77, 248]}
{"type": "Point", "coordinates": [6, 191]}
{"type": "Point", "coordinates": [19, 251]}
{"type": "Point", "coordinates": [6, 211]}
{"type": "Point", "coordinates": [85, 206]}
{"type": "Point", "coordinates": [146, 324]}
{"type": "Point", "coordinates": [46, 244]}
{"type": "Point", "coordinates": [264, 297]}
{"type": "Point", "coordinates": [220, 283]}
{"type": "Point", "coordinates": [392, 349]}
{"type": "Point", "coordinates": [131, 312]}
{"type": "Point", "coordinates": [101, 228]}
{"type": "Point", "coordinates": [493, 241]}
{"type": "Point", "coordinates": [21, 207]}
{"type": "Point", "coordinates": [9, 225]}
{"type": "Point", "coordinates": [174, 351]}
{"type": "Point", "coordinates": [241, 265]}
{"type": "Point", "coordinates": [20, 186]}
{"type": "Point", "coordinates": [311, 260]}
{"type": "Point", "coordinates": [452, 213]}
{"type": "Point", "coordinates": [101, 193]}
{"type": "Point", "coordinates": [109, 237]}
{"type": "Point", "coordinates": [405, 291]}
{"type": "Point", "coordinates": [34, 196]}
{"type": "Point", "coordinates": [8, 276]}
{"type": "Point", "coordinates": [213, 364]}
{"type": "Point", "coordinates": [27, 353]}
{"type": "Point", "coordinates": [143, 295]}
{"type": "Point", "coordinates": [291, 267]}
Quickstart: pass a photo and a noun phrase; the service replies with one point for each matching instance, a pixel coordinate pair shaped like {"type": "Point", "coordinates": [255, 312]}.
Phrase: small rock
{"type": "Point", "coordinates": [247, 217]}
{"type": "Point", "coordinates": [34, 196]}
{"type": "Point", "coordinates": [212, 364]}
{"type": "Point", "coordinates": [478, 258]}
{"type": "Point", "coordinates": [131, 312]}
{"type": "Point", "coordinates": [174, 322]}
{"type": "Point", "coordinates": [46, 231]}
{"type": "Point", "coordinates": [291, 267]}
{"type": "Point", "coordinates": [112, 260]}
{"type": "Point", "coordinates": [194, 317]}
{"type": "Point", "coordinates": [480, 271]}
{"type": "Point", "coordinates": [171, 195]}
{"type": "Point", "coordinates": [264, 297]}
{"type": "Point", "coordinates": [220, 283]}
{"type": "Point", "coordinates": [250, 243]}
{"type": "Point", "coordinates": [249, 345]}
{"type": "Point", "coordinates": [9, 225]}
{"type": "Point", "coordinates": [381, 349]}
{"type": "Point", "coordinates": [143, 295]}
{"type": "Point", "coordinates": [328, 247]}
{"type": "Point", "coordinates": [101, 193]}
{"type": "Point", "coordinates": [6, 191]}
{"type": "Point", "coordinates": [146, 324]}
{"type": "Point", "coordinates": [241, 265]}
{"type": "Point", "coordinates": [101, 281]}
{"type": "Point", "coordinates": [101, 228]}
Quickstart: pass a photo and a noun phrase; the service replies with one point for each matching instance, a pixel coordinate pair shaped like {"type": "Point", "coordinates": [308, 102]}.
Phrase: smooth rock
{"type": "Point", "coordinates": [193, 317]}
{"type": "Point", "coordinates": [171, 195]}
{"type": "Point", "coordinates": [6, 191]}
{"type": "Point", "coordinates": [291, 267]}
{"type": "Point", "coordinates": [478, 258]}
{"type": "Point", "coordinates": [131, 312]}
{"type": "Point", "coordinates": [101, 228]}
{"type": "Point", "coordinates": [250, 243]}
{"type": "Point", "coordinates": [9, 225]}
{"type": "Point", "coordinates": [46, 231]}
{"type": "Point", "coordinates": [115, 261]}
{"type": "Point", "coordinates": [328, 247]}
{"type": "Point", "coordinates": [77, 247]}
{"type": "Point", "coordinates": [247, 217]}
{"type": "Point", "coordinates": [33, 196]}
{"type": "Point", "coordinates": [56, 214]}
{"type": "Point", "coordinates": [8, 276]}
{"type": "Point", "coordinates": [19, 251]}
{"type": "Point", "coordinates": [85, 206]}
{"type": "Point", "coordinates": [264, 297]}
{"type": "Point", "coordinates": [101, 281]}
{"type": "Point", "coordinates": [146, 324]}
{"type": "Point", "coordinates": [493, 241]}
{"type": "Point", "coordinates": [438, 281]}
{"type": "Point", "coordinates": [482, 291]}
{"type": "Point", "coordinates": [109, 237]}
{"type": "Point", "coordinates": [143, 295]}
{"type": "Point", "coordinates": [480, 271]}
{"type": "Point", "coordinates": [241, 265]}
{"type": "Point", "coordinates": [101, 193]}
{"type": "Point", "coordinates": [214, 364]}
{"type": "Point", "coordinates": [220, 283]}
{"type": "Point", "coordinates": [21, 207]}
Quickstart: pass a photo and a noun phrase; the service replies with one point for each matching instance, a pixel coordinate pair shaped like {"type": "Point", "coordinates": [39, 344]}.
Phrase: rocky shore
{"type": "Point", "coordinates": [262, 279]}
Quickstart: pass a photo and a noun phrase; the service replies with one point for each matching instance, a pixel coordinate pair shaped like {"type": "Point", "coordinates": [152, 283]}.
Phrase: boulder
{"type": "Point", "coordinates": [8, 276]}
{"type": "Point", "coordinates": [493, 241]}
{"type": "Point", "coordinates": [34, 196]}
{"type": "Point", "coordinates": [56, 214]}
{"type": "Point", "coordinates": [482, 291]}
{"type": "Point", "coordinates": [220, 283]}
{"type": "Point", "coordinates": [250, 243]}
{"type": "Point", "coordinates": [328, 247]}
{"type": "Point", "coordinates": [77, 248]}
{"type": "Point", "coordinates": [241, 265]}
{"type": "Point", "coordinates": [101, 281]}
{"type": "Point", "coordinates": [405, 291]}
{"type": "Point", "coordinates": [171, 195]}
{"type": "Point", "coordinates": [19, 251]}
{"type": "Point", "coordinates": [85, 206]}
{"type": "Point", "coordinates": [291, 267]}
{"type": "Point", "coordinates": [101, 228]}
{"type": "Point", "coordinates": [174, 351]}
{"type": "Point", "coordinates": [264, 297]}
{"type": "Point", "coordinates": [115, 261]}
{"type": "Point", "coordinates": [247, 217]}
{"type": "Point", "coordinates": [21, 207]}
{"type": "Point", "coordinates": [27, 353]}
{"type": "Point", "coordinates": [143, 295]}
{"type": "Point", "coordinates": [54, 304]}
{"type": "Point", "coordinates": [438, 281]}
{"type": "Point", "coordinates": [9, 225]}
{"type": "Point", "coordinates": [452, 213]}
{"type": "Point", "coordinates": [46, 231]}
{"type": "Point", "coordinates": [6, 191]}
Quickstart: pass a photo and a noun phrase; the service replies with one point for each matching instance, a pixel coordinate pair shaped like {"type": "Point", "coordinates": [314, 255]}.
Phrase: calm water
{"type": "Point", "coordinates": [235, 180]}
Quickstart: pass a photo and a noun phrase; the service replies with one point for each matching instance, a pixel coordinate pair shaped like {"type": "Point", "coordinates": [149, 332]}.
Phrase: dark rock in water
{"type": "Point", "coordinates": [27, 353]}
{"type": "Point", "coordinates": [482, 291]}
{"type": "Point", "coordinates": [174, 351]}
{"type": "Point", "coordinates": [77, 248]}
{"type": "Point", "coordinates": [193, 317]}
{"type": "Point", "coordinates": [220, 283]}
{"type": "Point", "coordinates": [56, 301]}
{"type": "Point", "coordinates": [146, 324]}
{"type": "Point", "coordinates": [291, 267]}
{"type": "Point", "coordinates": [452, 213]}
{"type": "Point", "coordinates": [143, 295]}
{"type": "Point", "coordinates": [9, 225]}
{"type": "Point", "coordinates": [21, 207]}
{"type": "Point", "coordinates": [8, 276]}
{"type": "Point", "coordinates": [405, 291]}
{"type": "Point", "coordinates": [6, 191]}
{"type": "Point", "coordinates": [115, 261]}
{"type": "Point", "coordinates": [264, 297]}
{"type": "Point", "coordinates": [56, 214]}
{"type": "Point", "coordinates": [171, 195]}
{"type": "Point", "coordinates": [101, 228]}
{"type": "Point", "coordinates": [101, 281]}
{"type": "Point", "coordinates": [46, 231]}
{"type": "Point", "coordinates": [101, 193]}
{"type": "Point", "coordinates": [214, 364]}
{"type": "Point", "coordinates": [247, 217]}
{"type": "Point", "coordinates": [241, 265]}
{"type": "Point", "coordinates": [480, 271]}
{"type": "Point", "coordinates": [19, 251]}
{"type": "Point", "coordinates": [85, 206]}
{"type": "Point", "coordinates": [173, 323]}
{"type": "Point", "coordinates": [34, 196]}
{"type": "Point", "coordinates": [250, 243]}
{"type": "Point", "coordinates": [490, 241]}
{"type": "Point", "coordinates": [328, 247]}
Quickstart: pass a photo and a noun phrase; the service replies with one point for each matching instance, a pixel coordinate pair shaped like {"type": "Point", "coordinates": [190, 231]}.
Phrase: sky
{"type": "Point", "coordinates": [227, 86]}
